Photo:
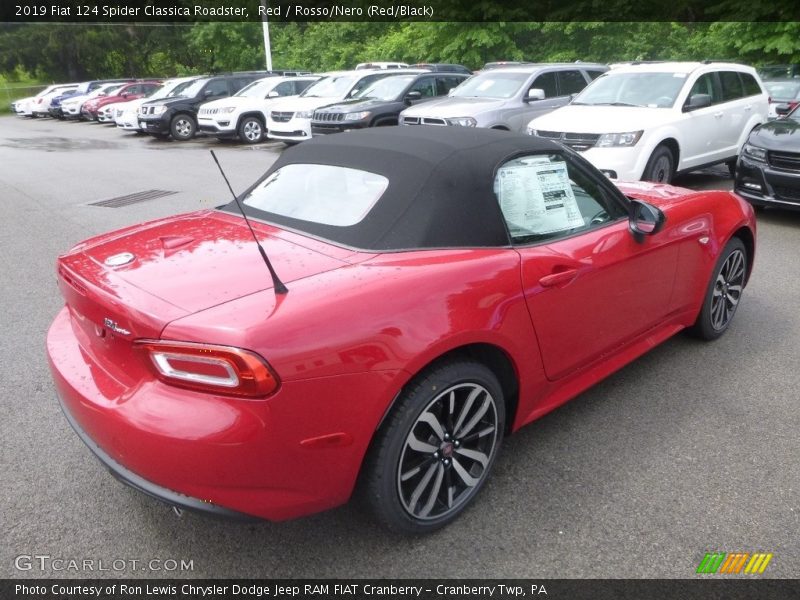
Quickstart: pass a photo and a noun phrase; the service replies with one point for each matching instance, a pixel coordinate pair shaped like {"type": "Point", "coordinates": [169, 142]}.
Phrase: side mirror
{"type": "Point", "coordinates": [645, 219]}
{"type": "Point", "coordinates": [124, 95]}
{"type": "Point", "coordinates": [413, 96]}
{"type": "Point", "coordinates": [697, 101]}
{"type": "Point", "coordinates": [782, 110]}
{"type": "Point", "coordinates": [535, 94]}
{"type": "Point", "coordinates": [273, 94]}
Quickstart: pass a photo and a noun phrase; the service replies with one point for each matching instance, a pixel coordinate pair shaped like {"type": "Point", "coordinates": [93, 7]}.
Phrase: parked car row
{"type": "Point", "coordinates": [638, 120]}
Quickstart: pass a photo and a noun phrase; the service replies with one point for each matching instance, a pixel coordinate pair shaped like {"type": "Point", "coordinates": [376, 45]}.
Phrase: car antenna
{"type": "Point", "coordinates": [276, 281]}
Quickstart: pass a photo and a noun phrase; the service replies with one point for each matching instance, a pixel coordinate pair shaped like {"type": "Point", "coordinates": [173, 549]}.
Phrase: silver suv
{"type": "Point", "coordinates": [506, 98]}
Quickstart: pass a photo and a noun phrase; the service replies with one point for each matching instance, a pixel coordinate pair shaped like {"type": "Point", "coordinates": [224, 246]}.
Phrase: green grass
{"type": "Point", "coordinates": [10, 91]}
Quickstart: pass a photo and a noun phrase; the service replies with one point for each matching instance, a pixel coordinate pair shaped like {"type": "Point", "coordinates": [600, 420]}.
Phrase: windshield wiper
{"type": "Point", "coordinates": [617, 104]}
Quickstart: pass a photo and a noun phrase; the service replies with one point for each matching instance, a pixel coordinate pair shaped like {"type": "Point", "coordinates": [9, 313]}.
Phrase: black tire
{"type": "Point", "coordinates": [251, 130]}
{"type": "Point", "coordinates": [419, 476]}
{"type": "Point", "coordinates": [182, 127]}
{"type": "Point", "coordinates": [661, 166]}
{"type": "Point", "coordinates": [724, 292]}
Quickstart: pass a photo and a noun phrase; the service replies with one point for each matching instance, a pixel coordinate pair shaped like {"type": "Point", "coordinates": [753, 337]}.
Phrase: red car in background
{"type": "Point", "coordinates": [415, 294]}
{"type": "Point", "coordinates": [131, 91]}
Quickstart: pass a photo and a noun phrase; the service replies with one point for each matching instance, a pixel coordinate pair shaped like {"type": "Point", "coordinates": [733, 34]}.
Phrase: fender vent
{"type": "Point", "coordinates": [132, 198]}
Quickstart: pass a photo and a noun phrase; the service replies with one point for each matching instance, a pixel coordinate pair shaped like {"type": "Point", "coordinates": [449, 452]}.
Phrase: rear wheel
{"type": "Point", "coordinates": [724, 292]}
{"type": "Point", "coordinates": [436, 448]}
{"type": "Point", "coordinates": [251, 130]}
{"type": "Point", "coordinates": [661, 166]}
{"type": "Point", "coordinates": [182, 127]}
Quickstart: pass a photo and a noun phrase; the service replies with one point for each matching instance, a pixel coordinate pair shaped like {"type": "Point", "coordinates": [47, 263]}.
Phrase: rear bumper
{"type": "Point", "coordinates": [226, 456]}
{"type": "Point", "coordinates": [141, 484]}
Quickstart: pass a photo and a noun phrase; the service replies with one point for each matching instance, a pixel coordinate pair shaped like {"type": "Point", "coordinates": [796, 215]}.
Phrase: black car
{"type": "Point", "coordinates": [380, 103]}
{"type": "Point", "coordinates": [768, 169]}
{"type": "Point", "coordinates": [178, 116]}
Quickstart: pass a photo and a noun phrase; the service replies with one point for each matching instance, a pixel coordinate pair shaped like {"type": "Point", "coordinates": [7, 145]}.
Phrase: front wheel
{"type": "Point", "coordinates": [661, 166]}
{"type": "Point", "coordinates": [724, 292]}
{"type": "Point", "coordinates": [251, 130]}
{"type": "Point", "coordinates": [436, 448]}
{"type": "Point", "coordinates": [182, 127]}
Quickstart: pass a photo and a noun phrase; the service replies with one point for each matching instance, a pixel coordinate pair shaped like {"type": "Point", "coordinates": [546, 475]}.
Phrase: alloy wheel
{"type": "Point", "coordinates": [252, 131]}
{"type": "Point", "coordinates": [727, 290]}
{"type": "Point", "coordinates": [448, 451]}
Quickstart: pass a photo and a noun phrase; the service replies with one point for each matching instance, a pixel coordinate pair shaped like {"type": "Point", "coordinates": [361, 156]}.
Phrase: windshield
{"type": "Point", "coordinates": [107, 89]}
{"type": "Point", "coordinates": [325, 194]}
{"type": "Point", "coordinates": [496, 84]}
{"type": "Point", "coordinates": [191, 90]}
{"type": "Point", "coordinates": [178, 89]}
{"type": "Point", "coordinates": [334, 86]}
{"type": "Point", "coordinates": [653, 90]}
{"type": "Point", "coordinates": [783, 90]}
{"type": "Point", "coordinates": [387, 89]}
{"type": "Point", "coordinates": [258, 89]}
{"type": "Point", "coordinates": [166, 89]}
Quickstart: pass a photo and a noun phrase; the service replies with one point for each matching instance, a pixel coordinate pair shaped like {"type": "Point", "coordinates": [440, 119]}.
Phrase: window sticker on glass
{"type": "Point", "coordinates": [536, 197]}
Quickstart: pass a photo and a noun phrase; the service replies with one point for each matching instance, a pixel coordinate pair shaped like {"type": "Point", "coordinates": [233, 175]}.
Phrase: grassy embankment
{"type": "Point", "coordinates": [10, 91]}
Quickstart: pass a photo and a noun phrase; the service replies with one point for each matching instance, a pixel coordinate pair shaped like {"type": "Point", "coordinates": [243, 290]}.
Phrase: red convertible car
{"type": "Point", "coordinates": [444, 286]}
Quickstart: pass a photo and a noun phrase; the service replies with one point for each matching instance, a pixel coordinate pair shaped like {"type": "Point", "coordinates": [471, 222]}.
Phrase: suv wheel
{"type": "Point", "coordinates": [182, 127]}
{"type": "Point", "coordinates": [251, 130]}
{"type": "Point", "coordinates": [661, 166]}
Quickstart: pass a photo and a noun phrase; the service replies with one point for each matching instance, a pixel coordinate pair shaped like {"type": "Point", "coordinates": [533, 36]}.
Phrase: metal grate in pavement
{"type": "Point", "coordinates": [132, 198]}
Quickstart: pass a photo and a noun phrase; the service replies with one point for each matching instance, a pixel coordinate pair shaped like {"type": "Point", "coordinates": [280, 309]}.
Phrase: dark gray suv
{"type": "Point", "coordinates": [506, 98]}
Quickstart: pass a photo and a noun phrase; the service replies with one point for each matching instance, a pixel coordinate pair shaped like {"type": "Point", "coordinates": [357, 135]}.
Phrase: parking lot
{"type": "Point", "coordinates": [693, 448]}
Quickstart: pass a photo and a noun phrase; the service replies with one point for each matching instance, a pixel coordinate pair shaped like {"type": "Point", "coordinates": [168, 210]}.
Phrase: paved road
{"type": "Point", "coordinates": [693, 448]}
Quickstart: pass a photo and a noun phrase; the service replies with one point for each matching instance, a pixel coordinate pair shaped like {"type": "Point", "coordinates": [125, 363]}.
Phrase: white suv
{"type": "Point", "coordinates": [650, 121]}
{"type": "Point", "coordinates": [244, 115]}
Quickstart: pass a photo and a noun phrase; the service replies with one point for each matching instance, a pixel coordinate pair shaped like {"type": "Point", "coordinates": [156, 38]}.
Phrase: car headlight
{"type": "Point", "coordinates": [755, 153]}
{"type": "Point", "coordinates": [304, 114]}
{"type": "Point", "coordinates": [358, 116]}
{"type": "Point", "coordinates": [617, 140]}
{"type": "Point", "coordinates": [463, 121]}
{"type": "Point", "coordinates": [160, 110]}
{"type": "Point", "coordinates": [227, 110]}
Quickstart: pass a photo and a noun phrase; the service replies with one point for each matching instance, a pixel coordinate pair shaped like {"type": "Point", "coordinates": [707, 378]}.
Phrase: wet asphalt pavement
{"type": "Point", "coordinates": [691, 449]}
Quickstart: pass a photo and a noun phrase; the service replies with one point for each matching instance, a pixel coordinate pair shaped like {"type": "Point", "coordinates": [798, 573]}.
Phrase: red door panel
{"type": "Point", "coordinates": [592, 293]}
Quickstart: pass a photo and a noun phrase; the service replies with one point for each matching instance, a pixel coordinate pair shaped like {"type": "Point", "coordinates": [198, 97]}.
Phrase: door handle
{"type": "Point", "coordinates": [718, 115]}
{"type": "Point", "coordinates": [560, 278]}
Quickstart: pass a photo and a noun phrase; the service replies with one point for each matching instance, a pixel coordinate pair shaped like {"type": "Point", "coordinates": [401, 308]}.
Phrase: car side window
{"type": "Point", "coordinates": [216, 87]}
{"type": "Point", "coordinates": [731, 85]}
{"type": "Point", "coordinates": [545, 197]}
{"type": "Point", "coordinates": [301, 85]}
{"type": "Point", "coordinates": [546, 82]}
{"type": "Point", "coordinates": [425, 86]}
{"type": "Point", "coordinates": [705, 84]}
{"type": "Point", "coordinates": [285, 88]}
{"type": "Point", "coordinates": [751, 87]}
{"type": "Point", "coordinates": [134, 89]}
{"type": "Point", "coordinates": [593, 74]}
{"type": "Point", "coordinates": [570, 82]}
{"type": "Point", "coordinates": [447, 83]}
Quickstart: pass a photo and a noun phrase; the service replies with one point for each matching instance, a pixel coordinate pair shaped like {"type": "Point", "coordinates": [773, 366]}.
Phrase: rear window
{"type": "Point", "coordinates": [323, 194]}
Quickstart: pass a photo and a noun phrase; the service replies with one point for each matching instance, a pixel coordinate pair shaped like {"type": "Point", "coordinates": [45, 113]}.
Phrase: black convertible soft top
{"type": "Point", "coordinates": [440, 191]}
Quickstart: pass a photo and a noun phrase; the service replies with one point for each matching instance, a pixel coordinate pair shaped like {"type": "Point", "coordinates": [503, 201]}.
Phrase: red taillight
{"type": "Point", "coordinates": [208, 368]}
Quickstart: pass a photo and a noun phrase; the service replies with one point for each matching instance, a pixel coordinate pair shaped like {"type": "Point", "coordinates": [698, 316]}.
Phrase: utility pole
{"type": "Point", "coordinates": [265, 28]}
